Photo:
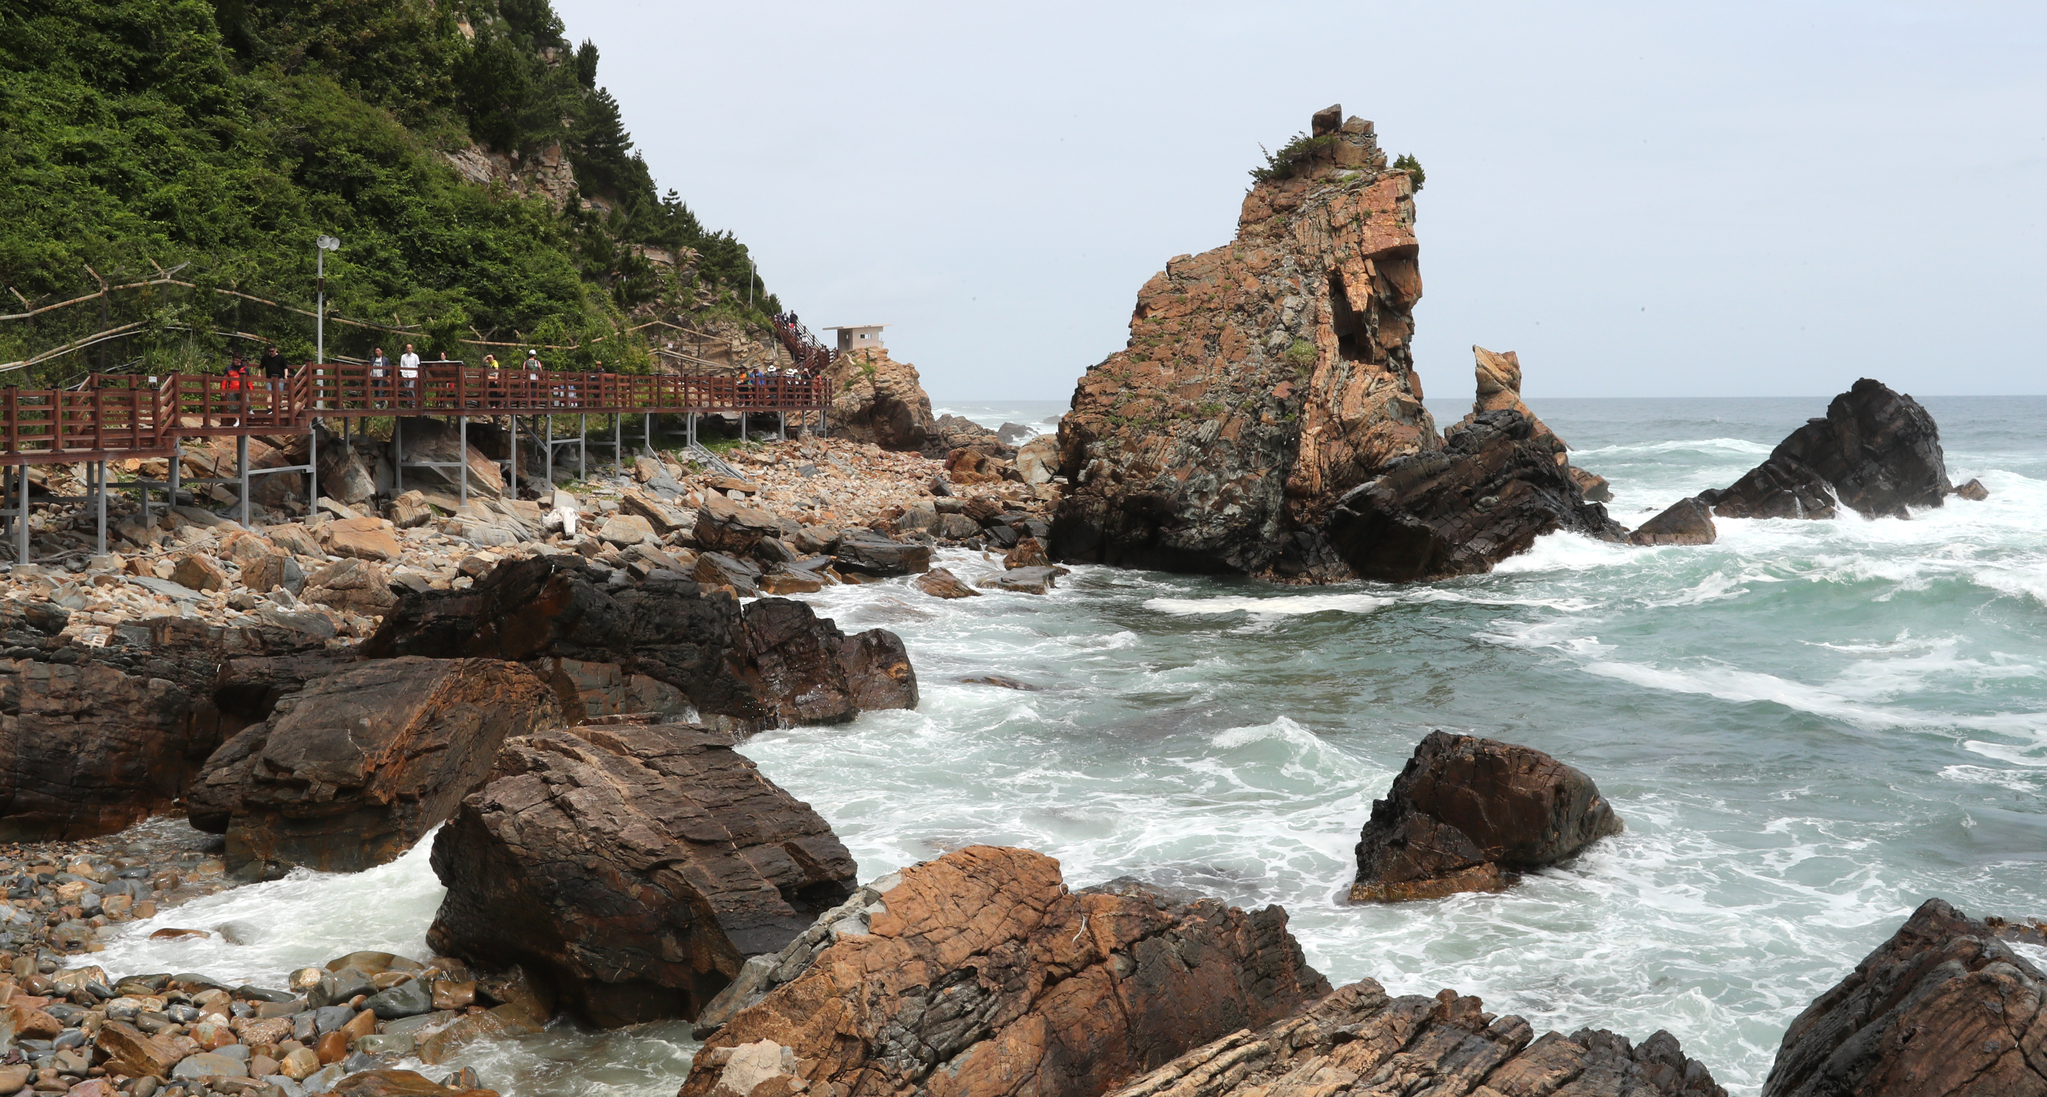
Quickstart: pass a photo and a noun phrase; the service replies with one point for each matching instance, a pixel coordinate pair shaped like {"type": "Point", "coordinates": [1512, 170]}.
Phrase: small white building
{"type": "Point", "coordinates": [861, 337]}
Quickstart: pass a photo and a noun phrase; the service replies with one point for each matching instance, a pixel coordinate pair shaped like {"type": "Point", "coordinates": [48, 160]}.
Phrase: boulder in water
{"type": "Point", "coordinates": [1877, 453]}
{"type": "Point", "coordinates": [356, 767]}
{"type": "Point", "coordinates": [671, 631]}
{"type": "Point", "coordinates": [632, 867]}
{"type": "Point", "coordinates": [981, 975]}
{"type": "Point", "coordinates": [1974, 491]}
{"type": "Point", "coordinates": [1491, 490]}
{"type": "Point", "coordinates": [1942, 1009]}
{"type": "Point", "coordinates": [1685, 522]}
{"type": "Point", "coordinates": [1467, 812]}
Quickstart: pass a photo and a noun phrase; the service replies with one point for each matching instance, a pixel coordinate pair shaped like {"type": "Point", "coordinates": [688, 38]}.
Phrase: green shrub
{"type": "Point", "coordinates": [1301, 353]}
{"type": "Point", "coordinates": [1290, 157]}
{"type": "Point", "coordinates": [1412, 167]}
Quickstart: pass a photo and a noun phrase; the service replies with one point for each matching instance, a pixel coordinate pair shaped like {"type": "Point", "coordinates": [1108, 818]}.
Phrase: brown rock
{"type": "Point", "coordinates": [1028, 553]}
{"type": "Point", "coordinates": [725, 526]}
{"type": "Point", "coordinates": [132, 1054]}
{"type": "Point", "coordinates": [1465, 812]}
{"type": "Point", "coordinates": [454, 993]}
{"type": "Point", "coordinates": [549, 607]}
{"type": "Point", "coordinates": [879, 400]}
{"type": "Point", "coordinates": [438, 441]}
{"type": "Point", "coordinates": [92, 748]}
{"type": "Point", "coordinates": [1486, 495]}
{"type": "Point", "coordinates": [1593, 487]}
{"type": "Point", "coordinates": [400, 1083]}
{"type": "Point", "coordinates": [362, 538]}
{"type": "Point", "coordinates": [199, 572]}
{"type": "Point", "coordinates": [1942, 1008]}
{"type": "Point", "coordinates": [1359, 1040]}
{"type": "Point", "coordinates": [625, 530]}
{"type": "Point", "coordinates": [31, 1022]}
{"type": "Point", "coordinates": [1974, 491]}
{"type": "Point", "coordinates": [410, 511]}
{"type": "Point", "coordinates": [353, 769]}
{"type": "Point", "coordinates": [1685, 522]}
{"type": "Point", "coordinates": [295, 539]}
{"type": "Point", "coordinates": [1261, 381]}
{"type": "Point", "coordinates": [333, 1047]}
{"type": "Point", "coordinates": [940, 583]}
{"type": "Point", "coordinates": [355, 585]}
{"type": "Point", "coordinates": [663, 518]}
{"type": "Point", "coordinates": [489, 1026]}
{"type": "Point", "coordinates": [981, 975]}
{"type": "Point", "coordinates": [790, 582]}
{"type": "Point", "coordinates": [638, 865]}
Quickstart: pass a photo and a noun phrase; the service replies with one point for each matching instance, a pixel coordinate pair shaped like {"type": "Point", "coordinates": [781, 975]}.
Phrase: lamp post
{"type": "Point", "coordinates": [321, 247]}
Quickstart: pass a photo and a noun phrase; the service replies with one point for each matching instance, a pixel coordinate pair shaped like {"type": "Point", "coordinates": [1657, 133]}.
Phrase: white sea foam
{"type": "Point", "coordinates": [1277, 606]}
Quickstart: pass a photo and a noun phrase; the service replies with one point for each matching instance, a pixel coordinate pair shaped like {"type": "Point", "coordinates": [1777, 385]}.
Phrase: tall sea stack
{"type": "Point", "coordinates": [1262, 379]}
{"type": "Point", "coordinates": [1270, 380]}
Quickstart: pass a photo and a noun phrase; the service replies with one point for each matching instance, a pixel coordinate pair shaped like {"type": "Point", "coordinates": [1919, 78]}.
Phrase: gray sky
{"type": "Point", "coordinates": [1727, 199]}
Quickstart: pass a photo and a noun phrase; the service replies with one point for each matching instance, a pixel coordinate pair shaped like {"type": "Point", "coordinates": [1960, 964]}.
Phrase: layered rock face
{"type": "Point", "coordinates": [1942, 1008]}
{"type": "Point", "coordinates": [1499, 389]}
{"type": "Point", "coordinates": [1486, 495]}
{"type": "Point", "coordinates": [1467, 812]}
{"type": "Point", "coordinates": [1877, 453]}
{"type": "Point", "coordinates": [90, 743]}
{"type": "Point", "coordinates": [356, 767]}
{"type": "Point", "coordinates": [672, 631]}
{"type": "Point", "coordinates": [1358, 1040]}
{"type": "Point", "coordinates": [981, 974]}
{"type": "Point", "coordinates": [877, 399]}
{"type": "Point", "coordinates": [634, 868]}
{"type": "Point", "coordinates": [1262, 379]}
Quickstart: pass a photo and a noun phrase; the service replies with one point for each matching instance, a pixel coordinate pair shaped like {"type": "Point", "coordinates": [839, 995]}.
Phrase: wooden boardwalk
{"type": "Point", "coordinates": [118, 416]}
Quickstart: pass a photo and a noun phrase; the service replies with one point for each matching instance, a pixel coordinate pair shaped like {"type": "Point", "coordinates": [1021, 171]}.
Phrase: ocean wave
{"type": "Point", "coordinates": [1747, 686]}
{"type": "Point", "coordinates": [1688, 445]}
{"type": "Point", "coordinates": [1281, 605]}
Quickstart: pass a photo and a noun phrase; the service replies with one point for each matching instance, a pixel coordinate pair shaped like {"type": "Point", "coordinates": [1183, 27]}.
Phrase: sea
{"type": "Point", "coordinates": [1808, 728]}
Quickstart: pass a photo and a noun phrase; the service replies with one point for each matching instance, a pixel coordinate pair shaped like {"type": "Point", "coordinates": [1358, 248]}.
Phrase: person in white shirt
{"type": "Point", "coordinates": [408, 370]}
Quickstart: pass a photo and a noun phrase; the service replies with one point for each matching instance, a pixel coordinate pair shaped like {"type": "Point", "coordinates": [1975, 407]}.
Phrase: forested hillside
{"type": "Point", "coordinates": [436, 139]}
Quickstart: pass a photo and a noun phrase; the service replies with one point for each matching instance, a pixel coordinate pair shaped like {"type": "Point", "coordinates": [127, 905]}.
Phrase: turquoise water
{"type": "Point", "coordinates": [1808, 728]}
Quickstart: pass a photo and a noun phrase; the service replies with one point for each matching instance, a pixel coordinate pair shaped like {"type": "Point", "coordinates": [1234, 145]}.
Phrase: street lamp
{"type": "Point", "coordinates": [321, 247]}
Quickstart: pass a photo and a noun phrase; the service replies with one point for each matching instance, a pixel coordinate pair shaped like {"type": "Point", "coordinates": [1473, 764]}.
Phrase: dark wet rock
{"type": "Point", "coordinates": [817, 674]}
{"type": "Point", "coordinates": [870, 553]}
{"type": "Point", "coordinates": [1974, 491]}
{"type": "Point", "coordinates": [673, 632]}
{"type": "Point", "coordinates": [631, 868]}
{"type": "Point", "coordinates": [981, 974]}
{"type": "Point", "coordinates": [248, 689]}
{"type": "Point", "coordinates": [1945, 1007]}
{"type": "Point", "coordinates": [1685, 522]}
{"type": "Point", "coordinates": [1360, 1040]}
{"type": "Point", "coordinates": [1466, 813]}
{"type": "Point", "coordinates": [358, 766]}
{"type": "Point", "coordinates": [1490, 491]}
{"type": "Point", "coordinates": [1877, 452]}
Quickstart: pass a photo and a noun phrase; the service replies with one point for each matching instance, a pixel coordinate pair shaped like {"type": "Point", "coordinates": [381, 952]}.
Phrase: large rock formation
{"type": "Point", "coordinates": [1361, 1041]}
{"type": "Point", "coordinates": [981, 974]}
{"type": "Point", "coordinates": [1942, 1009]}
{"type": "Point", "coordinates": [1877, 452]}
{"type": "Point", "coordinates": [1262, 378]}
{"type": "Point", "coordinates": [1486, 495]}
{"type": "Point", "coordinates": [353, 769]}
{"type": "Point", "coordinates": [877, 399]}
{"type": "Point", "coordinates": [94, 739]}
{"type": "Point", "coordinates": [671, 631]}
{"type": "Point", "coordinates": [1265, 379]}
{"type": "Point", "coordinates": [634, 868]}
{"type": "Point", "coordinates": [1465, 813]}
{"type": "Point", "coordinates": [1499, 389]}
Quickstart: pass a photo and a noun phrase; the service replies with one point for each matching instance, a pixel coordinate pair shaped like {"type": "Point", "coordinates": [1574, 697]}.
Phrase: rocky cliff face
{"type": "Point", "coordinates": [878, 399]}
{"type": "Point", "coordinates": [1262, 379]}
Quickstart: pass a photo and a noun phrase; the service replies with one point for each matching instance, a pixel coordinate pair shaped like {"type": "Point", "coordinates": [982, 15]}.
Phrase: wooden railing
{"type": "Point", "coordinates": [123, 415]}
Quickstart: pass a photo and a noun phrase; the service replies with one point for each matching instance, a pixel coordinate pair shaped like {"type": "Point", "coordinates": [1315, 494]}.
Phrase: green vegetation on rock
{"type": "Point", "coordinates": [1290, 157]}
{"type": "Point", "coordinates": [217, 140]}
